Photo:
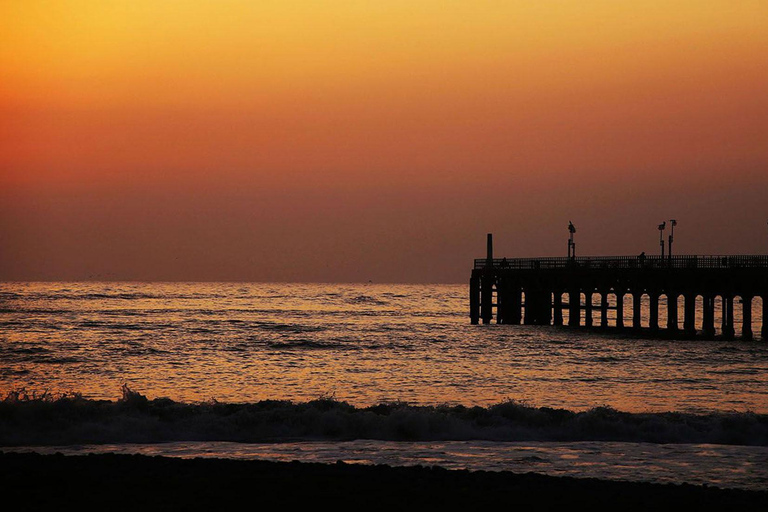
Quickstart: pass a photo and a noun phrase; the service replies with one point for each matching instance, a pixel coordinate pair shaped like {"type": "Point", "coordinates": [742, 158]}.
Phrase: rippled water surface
{"type": "Point", "coordinates": [364, 344]}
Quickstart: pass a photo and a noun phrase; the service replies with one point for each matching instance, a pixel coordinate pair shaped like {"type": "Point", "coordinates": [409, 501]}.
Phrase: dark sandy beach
{"type": "Point", "coordinates": [132, 482]}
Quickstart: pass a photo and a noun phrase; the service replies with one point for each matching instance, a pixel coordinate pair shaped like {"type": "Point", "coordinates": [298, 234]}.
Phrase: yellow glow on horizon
{"type": "Point", "coordinates": [207, 54]}
{"type": "Point", "coordinates": [376, 90]}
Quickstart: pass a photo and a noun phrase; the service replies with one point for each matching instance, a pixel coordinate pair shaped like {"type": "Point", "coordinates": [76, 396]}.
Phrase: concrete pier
{"type": "Point", "coordinates": [497, 288]}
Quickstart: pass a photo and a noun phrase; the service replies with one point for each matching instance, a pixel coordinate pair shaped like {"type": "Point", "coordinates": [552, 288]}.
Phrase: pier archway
{"type": "Point", "coordinates": [645, 310]}
{"type": "Point", "coordinates": [628, 307]}
{"type": "Point", "coordinates": [739, 305]}
{"type": "Point", "coordinates": [565, 301]}
{"type": "Point", "coordinates": [699, 313]}
{"type": "Point", "coordinates": [681, 311]}
{"type": "Point", "coordinates": [589, 308]}
{"type": "Point", "coordinates": [718, 315]}
{"type": "Point", "coordinates": [613, 302]}
{"type": "Point", "coordinates": [663, 309]}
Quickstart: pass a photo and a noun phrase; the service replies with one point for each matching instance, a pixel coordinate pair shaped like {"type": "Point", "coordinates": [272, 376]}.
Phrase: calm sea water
{"type": "Point", "coordinates": [367, 344]}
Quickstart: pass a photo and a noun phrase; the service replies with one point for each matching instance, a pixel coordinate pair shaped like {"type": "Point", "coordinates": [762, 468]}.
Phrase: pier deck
{"type": "Point", "coordinates": [532, 291]}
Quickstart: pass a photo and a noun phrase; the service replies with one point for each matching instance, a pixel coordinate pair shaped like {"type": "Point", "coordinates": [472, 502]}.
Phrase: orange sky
{"type": "Point", "coordinates": [357, 140]}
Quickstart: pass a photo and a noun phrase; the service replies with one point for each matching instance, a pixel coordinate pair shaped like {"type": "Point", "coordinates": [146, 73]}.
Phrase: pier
{"type": "Point", "coordinates": [543, 291]}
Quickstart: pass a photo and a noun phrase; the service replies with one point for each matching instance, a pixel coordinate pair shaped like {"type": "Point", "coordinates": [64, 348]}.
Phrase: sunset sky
{"type": "Point", "coordinates": [373, 140]}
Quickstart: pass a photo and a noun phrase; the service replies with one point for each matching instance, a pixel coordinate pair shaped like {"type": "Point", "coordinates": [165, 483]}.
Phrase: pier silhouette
{"type": "Point", "coordinates": [531, 290]}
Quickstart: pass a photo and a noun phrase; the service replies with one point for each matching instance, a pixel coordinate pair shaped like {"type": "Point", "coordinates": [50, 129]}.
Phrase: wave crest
{"type": "Point", "coordinates": [29, 419]}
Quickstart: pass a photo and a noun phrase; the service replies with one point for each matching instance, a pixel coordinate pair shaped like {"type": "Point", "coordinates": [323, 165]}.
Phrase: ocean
{"type": "Point", "coordinates": [371, 374]}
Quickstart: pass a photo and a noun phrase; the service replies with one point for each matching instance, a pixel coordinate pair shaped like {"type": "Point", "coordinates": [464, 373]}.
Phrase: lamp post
{"type": "Point", "coordinates": [571, 243]}
{"type": "Point", "coordinates": [673, 223]}
{"type": "Point", "coordinates": [661, 238]}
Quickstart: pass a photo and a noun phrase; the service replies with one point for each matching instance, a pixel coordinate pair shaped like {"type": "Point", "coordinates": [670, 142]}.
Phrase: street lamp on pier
{"type": "Point", "coordinates": [673, 223]}
{"type": "Point", "coordinates": [571, 243]}
{"type": "Point", "coordinates": [661, 238]}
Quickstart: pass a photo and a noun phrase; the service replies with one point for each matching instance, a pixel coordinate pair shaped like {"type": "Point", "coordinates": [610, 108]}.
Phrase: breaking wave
{"type": "Point", "coordinates": [71, 419]}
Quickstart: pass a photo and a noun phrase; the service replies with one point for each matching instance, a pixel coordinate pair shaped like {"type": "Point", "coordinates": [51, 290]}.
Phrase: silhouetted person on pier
{"type": "Point", "coordinates": [504, 263]}
{"type": "Point", "coordinates": [641, 258]}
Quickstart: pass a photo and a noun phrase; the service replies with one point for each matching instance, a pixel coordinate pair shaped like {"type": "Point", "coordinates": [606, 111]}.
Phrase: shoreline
{"type": "Point", "coordinates": [130, 482]}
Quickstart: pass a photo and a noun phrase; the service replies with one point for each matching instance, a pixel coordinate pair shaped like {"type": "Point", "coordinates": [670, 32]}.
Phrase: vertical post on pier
{"type": "Point", "coordinates": [501, 300]}
{"type": "Point", "coordinates": [557, 305]}
{"type": "Point", "coordinates": [588, 307]}
{"type": "Point", "coordinates": [689, 319]}
{"type": "Point", "coordinates": [474, 299]}
{"type": "Point", "coordinates": [672, 311]}
{"type": "Point", "coordinates": [574, 307]}
{"type": "Point", "coordinates": [486, 284]}
{"type": "Point", "coordinates": [636, 309]}
{"type": "Point", "coordinates": [529, 313]}
{"type": "Point", "coordinates": [486, 297]}
{"type": "Point", "coordinates": [728, 330]}
{"type": "Point", "coordinates": [653, 314]}
{"type": "Point", "coordinates": [764, 329]}
{"type": "Point", "coordinates": [708, 320]}
{"type": "Point", "coordinates": [515, 305]}
{"type": "Point", "coordinates": [546, 308]}
{"type": "Point", "coordinates": [620, 309]}
{"type": "Point", "coordinates": [746, 329]}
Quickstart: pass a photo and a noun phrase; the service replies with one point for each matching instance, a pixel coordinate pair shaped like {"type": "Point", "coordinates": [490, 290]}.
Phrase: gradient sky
{"type": "Point", "coordinates": [362, 140]}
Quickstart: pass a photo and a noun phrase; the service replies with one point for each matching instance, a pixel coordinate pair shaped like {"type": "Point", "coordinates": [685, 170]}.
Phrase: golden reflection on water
{"type": "Point", "coordinates": [364, 344]}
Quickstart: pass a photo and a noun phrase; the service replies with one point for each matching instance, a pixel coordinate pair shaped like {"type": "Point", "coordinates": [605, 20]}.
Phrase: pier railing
{"type": "Point", "coordinates": [629, 262]}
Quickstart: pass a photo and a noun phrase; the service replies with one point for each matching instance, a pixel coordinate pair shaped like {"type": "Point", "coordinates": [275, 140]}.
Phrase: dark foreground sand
{"type": "Point", "coordinates": [133, 482]}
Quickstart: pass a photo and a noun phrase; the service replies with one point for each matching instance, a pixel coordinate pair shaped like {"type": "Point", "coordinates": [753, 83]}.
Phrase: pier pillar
{"type": "Point", "coordinates": [653, 314]}
{"type": "Point", "coordinates": [574, 308]}
{"type": "Point", "coordinates": [746, 326]}
{"type": "Point", "coordinates": [557, 305]}
{"type": "Point", "coordinates": [728, 330]}
{"type": "Point", "coordinates": [486, 298]}
{"type": "Point", "coordinates": [636, 310]}
{"type": "Point", "coordinates": [474, 299]}
{"type": "Point", "coordinates": [603, 309]}
{"type": "Point", "coordinates": [515, 302]}
{"type": "Point", "coordinates": [529, 309]}
{"type": "Point", "coordinates": [620, 309]}
{"type": "Point", "coordinates": [708, 320]}
{"type": "Point", "coordinates": [764, 330]}
{"type": "Point", "coordinates": [672, 312]}
{"type": "Point", "coordinates": [501, 301]}
{"type": "Point", "coordinates": [588, 309]}
{"type": "Point", "coordinates": [689, 321]}
{"type": "Point", "coordinates": [538, 304]}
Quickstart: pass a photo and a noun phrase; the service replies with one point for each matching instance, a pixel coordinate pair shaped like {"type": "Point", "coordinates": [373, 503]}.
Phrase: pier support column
{"type": "Point", "coordinates": [764, 330]}
{"type": "Point", "coordinates": [500, 302]}
{"type": "Point", "coordinates": [557, 305]}
{"type": "Point", "coordinates": [746, 326]}
{"type": "Point", "coordinates": [529, 309]}
{"type": "Point", "coordinates": [620, 310]}
{"type": "Point", "coordinates": [574, 308]}
{"type": "Point", "coordinates": [653, 314]}
{"type": "Point", "coordinates": [708, 320]}
{"type": "Point", "coordinates": [636, 310]}
{"type": "Point", "coordinates": [512, 303]}
{"type": "Point", "coordinates": [588, 309]}
{"type": "Point", "coordinates": [603, 309]}
{"type": "Point", "coordinates": [672, 312]}
{"type": "Point", "coordinates": [689, 322]}
{"type": "Point", "coordinates": [728, 330]}
{"type": "Point", "coordinates": [516, 300]}
{"type": "Point", "coordinates": [474, 299]}
{"type": "Point", "coordinates": [486, 298]}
